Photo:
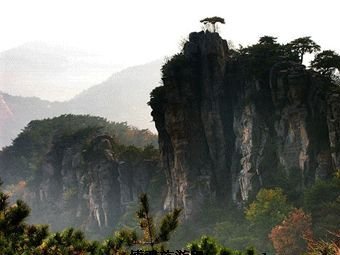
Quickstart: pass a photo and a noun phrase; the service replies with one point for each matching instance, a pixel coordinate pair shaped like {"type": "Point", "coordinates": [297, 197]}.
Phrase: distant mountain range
{"type": "Point", "coordinates": [51, 72]}
{"type": "Point", "coordinates": [122, 97]}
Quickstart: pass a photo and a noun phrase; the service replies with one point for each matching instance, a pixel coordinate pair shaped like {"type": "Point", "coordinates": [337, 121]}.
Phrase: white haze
{"type": "Point", "coordinates": [132, 32]}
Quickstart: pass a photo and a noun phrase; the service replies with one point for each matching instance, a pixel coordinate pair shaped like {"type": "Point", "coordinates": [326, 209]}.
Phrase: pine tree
{"type": "Point", "coordinates": [16, 237]}
{"type": "Point", "coordinates": [153, 236]}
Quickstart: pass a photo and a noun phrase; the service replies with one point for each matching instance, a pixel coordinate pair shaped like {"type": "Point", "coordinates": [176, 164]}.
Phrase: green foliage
{"type": "Point", "coordinates": [225, 223]}
{"type": "Point", "coordinates": [301, 46]}
{"type": "Point", "coordinates": [270, 40]}
{"type": "Point", "coordinates": [22, 160]}
{"type": "Point", "coordinates": [269, 208]}
{"type": "Point", "coordinates": [168, 224]}
{"type": "Point", "coordinates": [175, 69]}
{"type": "Point", "coordinates": [326, 62]}
{"type": "Point", "coordinates": [15, 236]}
{"type": "Point", "coordinates": [322, 200]}
{"type": "Point", "coordinates": [68, 242]}
{"type": "Point", "coordinates": [235, 233]}
{"type": "Point", "coordinates": [152, 236]}
{"type": "Point", "coordinates": [157, 97]}
{"type": "Point", "coordinates": [205, 244]}
{"type": "Point", "coordinates": [259, 58]}
{"type": "Point", "coordinates": [119, 243]}
{"type": "Point", "coordinates": [290, 181]}
{"type": "Point", "coordinates": [209, 246]}
{"type": "Point", "coordinates": [210, 23]}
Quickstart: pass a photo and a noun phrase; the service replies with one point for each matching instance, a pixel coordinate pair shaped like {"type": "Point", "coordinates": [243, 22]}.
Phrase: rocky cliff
{"type": "Point", "coordinates": [80, 171]}
{"type": "Point", "coordinates": [225, 132]}
{"type": "Point", "coordinates": [88, 189]}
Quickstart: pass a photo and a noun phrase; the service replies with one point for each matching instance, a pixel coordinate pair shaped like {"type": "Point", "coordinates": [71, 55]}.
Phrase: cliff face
{"type": "Point", "coordinates": [224, 135]}
{"type": "Point", "coordinates": [88, 189]}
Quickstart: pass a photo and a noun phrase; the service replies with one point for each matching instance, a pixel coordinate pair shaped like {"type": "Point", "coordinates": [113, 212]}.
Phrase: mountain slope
{"type": "Point", "coordinates": [16, 112]}
{"type": "Point", "coordinates": [123, 97]}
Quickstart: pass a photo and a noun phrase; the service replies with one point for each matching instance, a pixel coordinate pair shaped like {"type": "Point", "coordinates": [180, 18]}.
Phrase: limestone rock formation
{"type": "Point", "coordinates": [223, 134]}
{"type": "Point", "coordinates": [88, 189]}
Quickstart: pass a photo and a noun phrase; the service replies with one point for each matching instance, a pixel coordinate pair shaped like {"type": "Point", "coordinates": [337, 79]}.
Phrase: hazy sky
{"type": "Point", "coordinates": [137, 31]}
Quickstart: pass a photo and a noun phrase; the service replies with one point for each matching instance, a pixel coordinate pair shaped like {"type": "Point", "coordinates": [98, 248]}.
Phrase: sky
{"type": "Point", "coordinates": [134, 32]}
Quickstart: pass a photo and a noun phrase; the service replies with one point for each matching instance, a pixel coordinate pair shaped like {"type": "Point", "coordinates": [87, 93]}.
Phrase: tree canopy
{"type": "Point", "coordinates": [210, 23]}
{"type": "Point", "coordinates": [292, 234]}
{"type": "Point", "coordinates": [303, 45]}
{"type": "Point", "coordinates": [326, 62]}
{"type": "Point", "coordinates": [268, 40]}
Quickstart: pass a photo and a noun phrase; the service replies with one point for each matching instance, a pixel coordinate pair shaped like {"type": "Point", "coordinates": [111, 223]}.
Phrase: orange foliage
{"type": "Point", "coordinates": [293, 234]}
{"type": "Point", "coordinates": [322, 247]}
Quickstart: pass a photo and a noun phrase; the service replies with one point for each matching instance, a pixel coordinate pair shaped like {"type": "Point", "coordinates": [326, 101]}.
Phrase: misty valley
{"type": "Point", "coordinates": [217, 150]}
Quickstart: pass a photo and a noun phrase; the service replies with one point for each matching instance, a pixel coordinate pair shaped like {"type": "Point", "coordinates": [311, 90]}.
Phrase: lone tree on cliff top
{"type": "Point", "coordinates": [326, 62]}
{"type": "Point", "coordinates": [210, 23]}
{"type": "Point", "coordinates": [303, 45]}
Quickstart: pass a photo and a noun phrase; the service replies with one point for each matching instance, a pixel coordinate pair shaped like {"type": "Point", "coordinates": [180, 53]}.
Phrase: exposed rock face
{"type": "Point", "coordinates": [87, 190]}
{"type": "Point", "coordinates": [223, 136]}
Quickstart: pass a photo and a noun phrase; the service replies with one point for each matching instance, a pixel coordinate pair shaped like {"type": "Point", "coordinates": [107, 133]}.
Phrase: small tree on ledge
{"type": "Point", "coordinates": [210, 23]}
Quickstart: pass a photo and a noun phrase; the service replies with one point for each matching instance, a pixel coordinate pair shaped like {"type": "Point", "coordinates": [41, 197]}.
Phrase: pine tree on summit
{"type": "Point", "coordinates": [301, 46]}
{"type": "Point", "coordinates": [210, 23]}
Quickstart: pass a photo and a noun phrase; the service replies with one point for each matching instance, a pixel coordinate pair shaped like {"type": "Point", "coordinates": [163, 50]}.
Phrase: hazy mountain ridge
{"type": "Point", "coordinates": [121, 98]}
{"type": "Point", "coordinates": [50, 71]}
{"type": "Point", "coordinates": [16, 112]}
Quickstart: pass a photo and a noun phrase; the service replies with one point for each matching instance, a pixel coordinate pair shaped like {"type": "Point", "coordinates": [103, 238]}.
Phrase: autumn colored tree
{"type": "Point", "coordinates": [292, 235]}
{"type": "Point", "coordinates": [322, 247]}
